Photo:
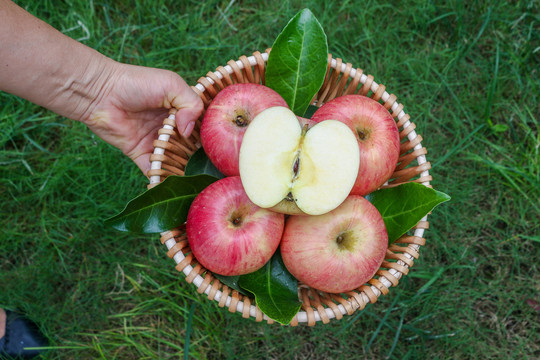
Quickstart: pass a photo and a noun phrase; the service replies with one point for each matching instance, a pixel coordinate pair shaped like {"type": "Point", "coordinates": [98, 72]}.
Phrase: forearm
{"type": "Point", "coordinates": [48, 68]}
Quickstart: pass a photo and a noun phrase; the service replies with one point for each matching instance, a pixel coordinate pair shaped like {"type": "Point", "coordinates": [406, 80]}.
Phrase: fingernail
{"type": "Point", "coordinates": [189, 128]}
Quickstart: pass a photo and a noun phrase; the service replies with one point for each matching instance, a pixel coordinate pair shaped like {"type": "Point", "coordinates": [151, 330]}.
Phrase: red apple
{"type": "Point", "coordinates": [338, 251]}
{"type": "Point", "coordinates": [377, 135]}
{"type": "Point", "coordinates": [226, 120]}
{"type": "Point", "coordinates": [227, 233]}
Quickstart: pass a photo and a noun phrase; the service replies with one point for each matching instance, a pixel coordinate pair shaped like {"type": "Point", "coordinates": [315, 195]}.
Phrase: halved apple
{"type": "Point", "coordinates": [295, 169]}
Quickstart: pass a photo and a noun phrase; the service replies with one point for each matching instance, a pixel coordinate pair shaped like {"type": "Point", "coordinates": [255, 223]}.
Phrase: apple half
{"type": "Point", "coordinates": [295, 169]}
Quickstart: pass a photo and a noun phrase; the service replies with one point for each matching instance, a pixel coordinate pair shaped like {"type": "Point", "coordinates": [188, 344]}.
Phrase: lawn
{"type": "Point", "coordinates": [467, 73]}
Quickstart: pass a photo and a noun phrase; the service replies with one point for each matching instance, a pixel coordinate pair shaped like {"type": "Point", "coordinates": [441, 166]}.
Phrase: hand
{"type": "Point", "coordinates": [131, 107]}
{"type": "Point", "coordinates": [123, 104]}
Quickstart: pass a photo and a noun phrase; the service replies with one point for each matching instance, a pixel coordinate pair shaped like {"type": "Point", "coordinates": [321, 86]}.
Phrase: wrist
{"type": "Point", "coordinates": [48, 68]}
{"type": "Point", "coordinates": [81, 92]}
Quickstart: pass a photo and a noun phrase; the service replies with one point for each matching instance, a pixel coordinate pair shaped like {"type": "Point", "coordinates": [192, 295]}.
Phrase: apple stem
{"type": "Point", "coordinates": [304, 130]}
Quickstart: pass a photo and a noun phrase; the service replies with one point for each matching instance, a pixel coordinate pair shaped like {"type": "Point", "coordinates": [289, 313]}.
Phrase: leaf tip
{"type": "Point", "coordinates": [113, 223]}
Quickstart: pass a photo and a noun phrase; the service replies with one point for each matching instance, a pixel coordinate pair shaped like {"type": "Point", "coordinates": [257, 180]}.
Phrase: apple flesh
{"type": "Point", "coordinates": [338, 251]}
{"type": "Point", "coordinates": [227, 118]}
{"type": "Point", "coordinates": [227, 233]}
{"type": "Point", "coordinates": [377, 135]}
{"type": "Point", "coordinates": [297, 169]}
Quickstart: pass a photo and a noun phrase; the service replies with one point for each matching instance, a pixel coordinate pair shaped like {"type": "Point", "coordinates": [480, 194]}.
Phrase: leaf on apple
{"type": "Point", "coordinates": [199, 163]}
{"type": "Point", "coordinates": [231, 281]}
{"type": "Point", "coordinates": [310, 111]}
{"type": "Point", "coordinates": [297, 64]}
{"type": "Point", "coordinates": [403, 206]}
{"type": "Point", "coordinates": [162, 207]}
{"type": "Point", "coordinates": [275, 290]}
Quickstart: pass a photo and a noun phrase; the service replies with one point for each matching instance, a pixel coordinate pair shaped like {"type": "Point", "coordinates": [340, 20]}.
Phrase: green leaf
{"type": "Point", "coordinates": [275, 290]}
{"type": "Point", "coordinates": [162, 207]}
{"type": "Point", "coordinates": [310, 111]}
{"type": "Point", "coordinates": [404, 206]}
{"type": "Point", "coordinates": [199, 163]}
{"type": "Point", "coordinates": [297, 63]}
{"type": "Point", "coordinates": [231, 281]}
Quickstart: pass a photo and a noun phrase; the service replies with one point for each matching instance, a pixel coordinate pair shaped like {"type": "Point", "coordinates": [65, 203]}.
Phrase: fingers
{"type": "Point", "coordinates": [179, 96]}
{"type": "Point", "coordinates": [188, 112]}
{"type": "Point", "coordinates": [188, 104]}
{"type": "Point", "coordinates": [189, 129]}
{"type": "Point", "coordinates": [185, 120]}
{"type": "Point", "coordinates": [143, 162]}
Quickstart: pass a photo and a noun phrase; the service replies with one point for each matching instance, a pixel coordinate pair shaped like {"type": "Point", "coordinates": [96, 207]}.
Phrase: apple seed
{"type": "Point", "coordinates": [296, 167]}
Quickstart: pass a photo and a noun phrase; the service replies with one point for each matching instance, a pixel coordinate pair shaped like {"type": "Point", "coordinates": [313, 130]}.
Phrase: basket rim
{"type": "Point", "coordinates": [355, 302]}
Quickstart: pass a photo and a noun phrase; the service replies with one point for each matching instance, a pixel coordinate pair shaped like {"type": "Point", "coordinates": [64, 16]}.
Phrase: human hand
{"type": "Point", "coordinates": [132, 104]}
{"type": "Point", "coordinates": [123, 104]}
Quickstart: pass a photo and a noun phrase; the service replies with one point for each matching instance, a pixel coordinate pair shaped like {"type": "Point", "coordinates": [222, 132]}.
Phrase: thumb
{"type": "Point", "coordinates": [186, 117]}
{"type": "Point", "coordinates": [188, 104]}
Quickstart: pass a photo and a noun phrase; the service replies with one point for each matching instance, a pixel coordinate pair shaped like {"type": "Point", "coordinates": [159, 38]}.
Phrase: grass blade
{"type": "Point", "coordinates": [189, 327]}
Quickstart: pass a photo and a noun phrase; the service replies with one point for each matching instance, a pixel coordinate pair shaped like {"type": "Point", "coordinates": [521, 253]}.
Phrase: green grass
{"type": "Point", "coordinates": [467, 73]}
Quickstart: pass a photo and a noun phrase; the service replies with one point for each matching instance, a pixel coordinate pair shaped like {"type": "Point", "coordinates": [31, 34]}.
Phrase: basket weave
{"type": "Point", "coordinates": [171, 152]}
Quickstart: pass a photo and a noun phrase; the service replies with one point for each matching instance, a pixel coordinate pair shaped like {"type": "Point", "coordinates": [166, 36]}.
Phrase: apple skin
{"type": "Point", "coordinates": [377, 135]}
{"type": "Point", "coordinates": [304, 121]}
{"type": "Point", "coordinates": [311, 249]}
{"type": "Point", "coordinates": [227, 233]}
{"type": "Point", "coordinates": [226, 119]}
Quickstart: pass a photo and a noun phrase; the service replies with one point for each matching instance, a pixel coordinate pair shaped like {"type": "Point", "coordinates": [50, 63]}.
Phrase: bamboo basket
{"type": "Point", "coordinates": [171, 152]}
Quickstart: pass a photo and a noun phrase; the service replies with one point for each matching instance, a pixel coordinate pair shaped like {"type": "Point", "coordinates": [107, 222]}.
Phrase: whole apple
{"type": "Point", "coordinates": [377, 135]}
{"type": "Point", "coordinates": [338, 251]}
{"type": "Point", "coordinates": [227, 118]}
{"type": "Point", "coordinates": [227, 233]}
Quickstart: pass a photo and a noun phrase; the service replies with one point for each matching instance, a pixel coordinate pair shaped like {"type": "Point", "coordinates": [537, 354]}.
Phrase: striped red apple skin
{"type": "Point", "coordinates": [377, 135]}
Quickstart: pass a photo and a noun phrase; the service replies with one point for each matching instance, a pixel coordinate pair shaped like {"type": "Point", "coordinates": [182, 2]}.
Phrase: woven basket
{"type": "Point", "coordinates": [171, 152]}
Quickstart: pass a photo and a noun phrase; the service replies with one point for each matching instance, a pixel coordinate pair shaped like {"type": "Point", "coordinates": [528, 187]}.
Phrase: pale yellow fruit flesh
{"type": "Point", "coordinates": [328, 167]}
{"type": "Point", "coordinates": [326, 157]}
{"type": "Point", "coordinates": [266, 154]}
